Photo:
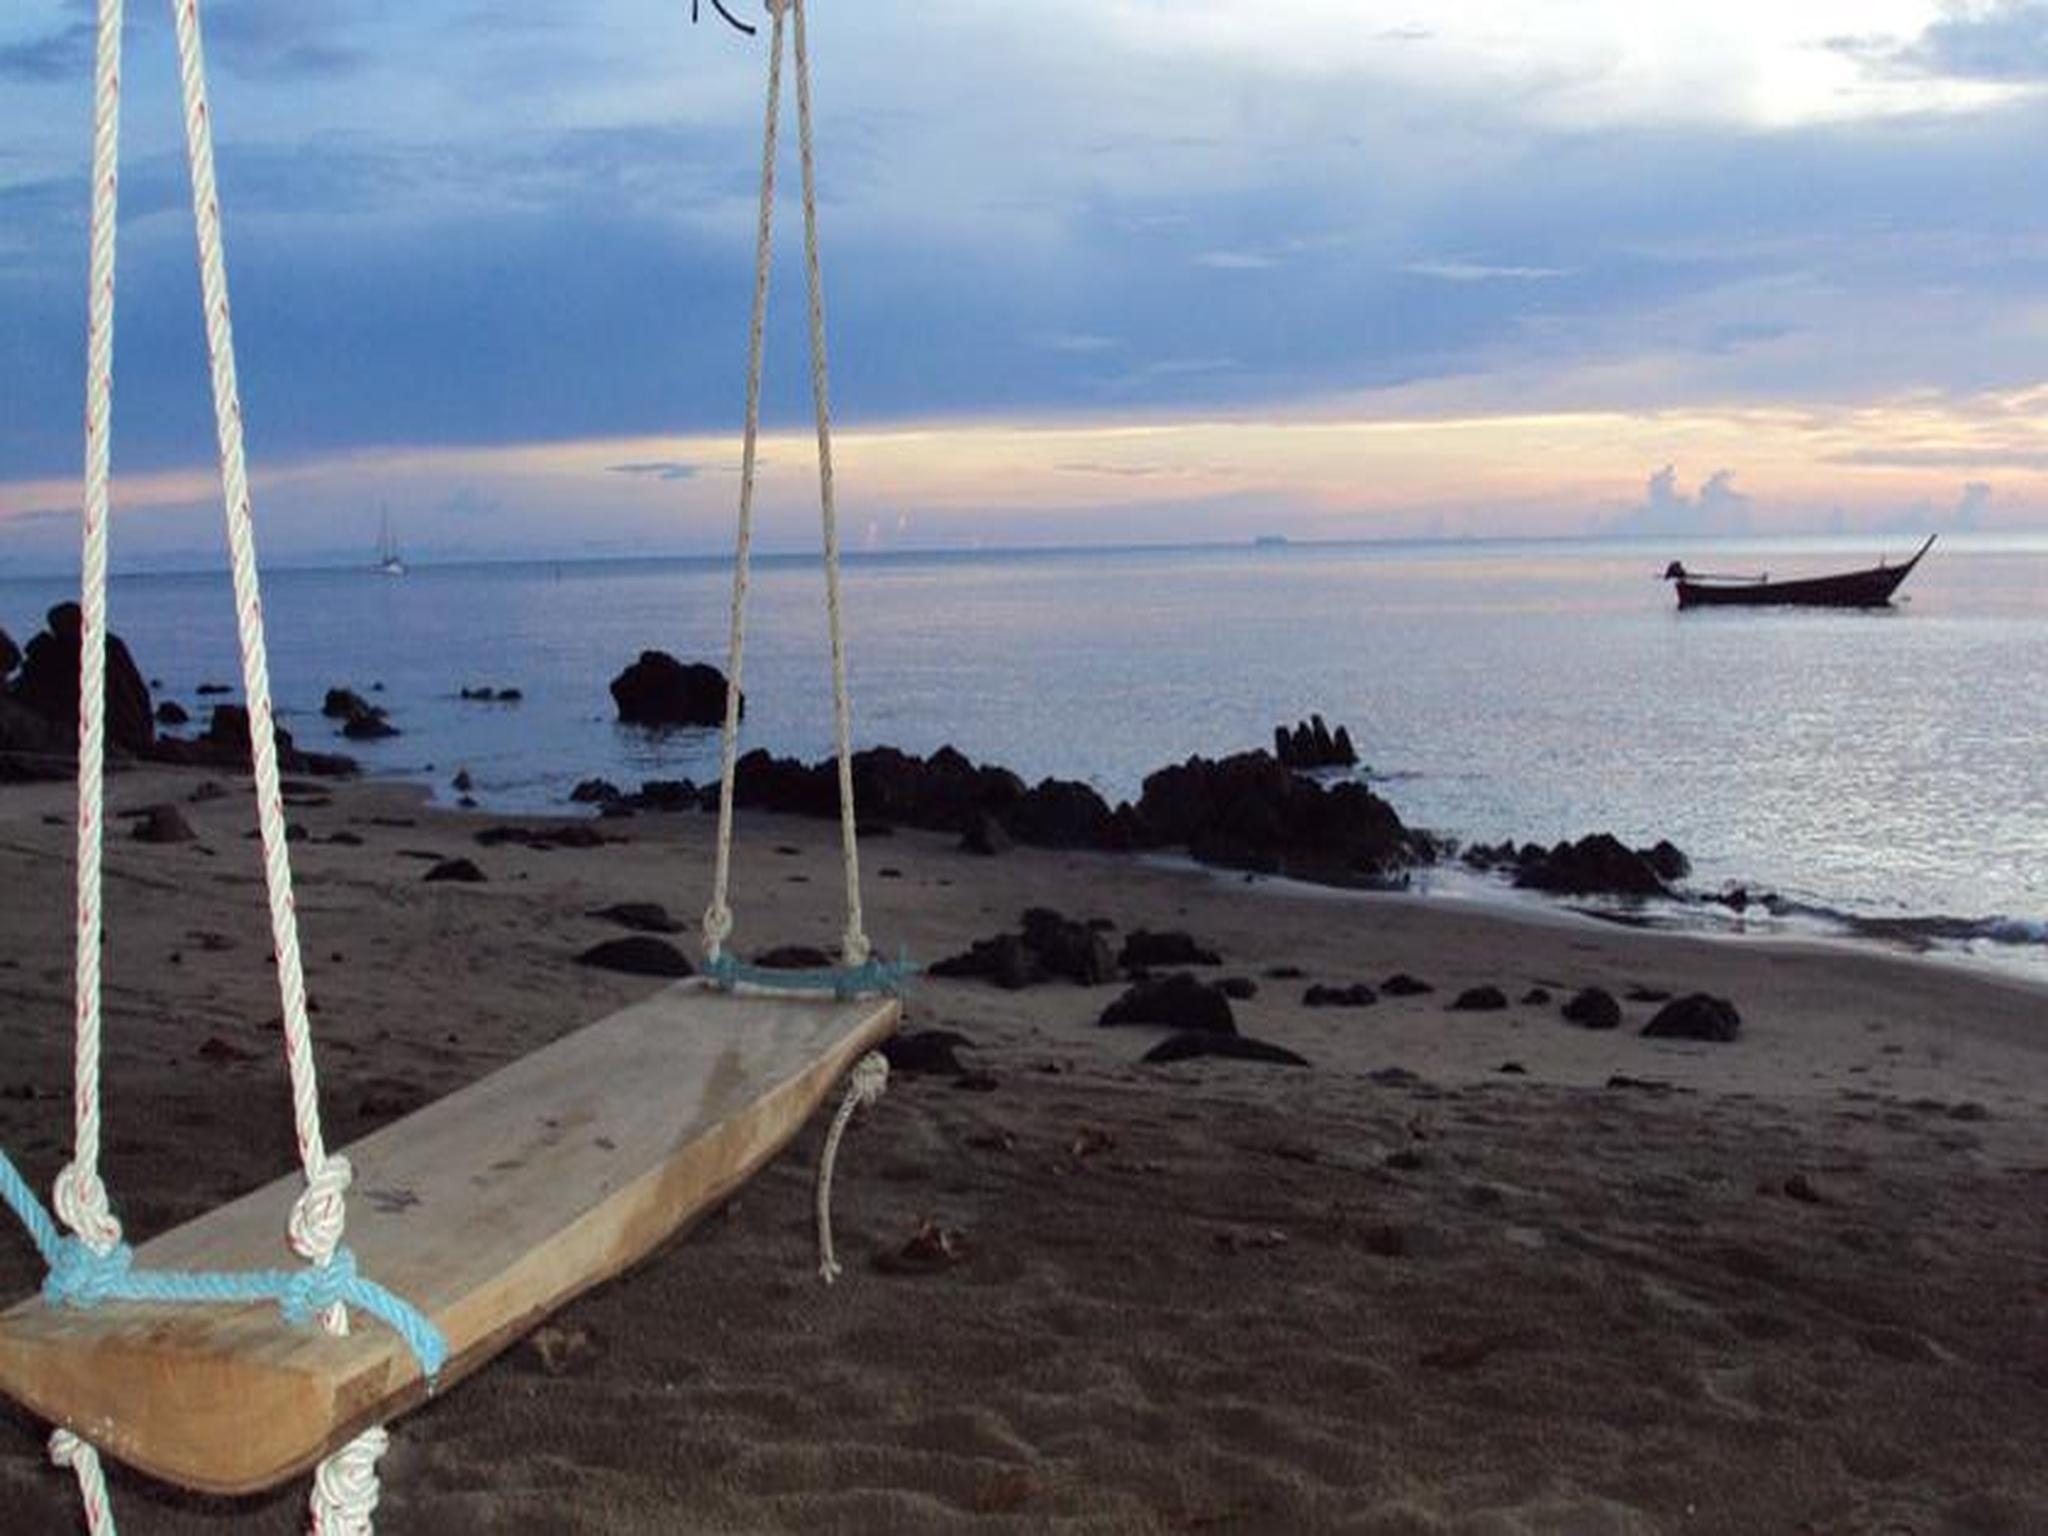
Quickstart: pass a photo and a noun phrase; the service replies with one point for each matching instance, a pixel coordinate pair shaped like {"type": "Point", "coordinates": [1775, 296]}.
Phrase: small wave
{"type": "Point", "coordinates": [1921, 932]}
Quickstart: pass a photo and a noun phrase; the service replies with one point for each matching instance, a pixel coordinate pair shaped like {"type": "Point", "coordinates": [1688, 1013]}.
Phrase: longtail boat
{"type": "Point", "coordinates": [1871, 588]}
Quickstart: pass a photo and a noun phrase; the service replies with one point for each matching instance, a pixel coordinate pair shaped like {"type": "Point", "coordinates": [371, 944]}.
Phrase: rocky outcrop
{"type": "Point", "coordinates": [1188, 1044]}
{"type": "Point", "coordinates": [48, 685]}
{"type": "Point", "coordinates": [10, 656]}
{"type": "Point", "coordinates": [1143, 949]}
{"type": "Point", "coordinates": [1251, 812]}
{"type": "Point", "coordinates": [1598, 865]}
{"type": "Point", "coordinates": [658, 690]}
{"type": "Point", "coordinates": [1312, 745]}
{"type": "Point", "coordinates": [225, 745]}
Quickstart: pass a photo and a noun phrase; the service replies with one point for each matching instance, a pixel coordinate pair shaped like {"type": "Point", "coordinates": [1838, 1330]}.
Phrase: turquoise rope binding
{"type": "Point", "coordinates": [80, 1277]}
{"type": "Point", "coordinates": [872, 975]}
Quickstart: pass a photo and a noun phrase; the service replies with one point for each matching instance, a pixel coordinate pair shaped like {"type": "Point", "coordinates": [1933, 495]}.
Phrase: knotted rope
{"type": "Point", "coordinates": [864, 1087]}
{"type": "Point", "coordinates": [717, 927]}
{"type": "Point", "coordinates": [67, 1450]}
{"type": "Point", "coordinates": [345, 1488]}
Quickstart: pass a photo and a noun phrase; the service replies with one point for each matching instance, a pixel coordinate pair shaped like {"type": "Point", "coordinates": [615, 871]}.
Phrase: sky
{"type": "Point", "coordinates": [1096, 271]}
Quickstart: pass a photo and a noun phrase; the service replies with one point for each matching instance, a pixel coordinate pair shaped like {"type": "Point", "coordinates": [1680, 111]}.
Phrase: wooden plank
{"type": "Point", "coordinates": [487, 1210]}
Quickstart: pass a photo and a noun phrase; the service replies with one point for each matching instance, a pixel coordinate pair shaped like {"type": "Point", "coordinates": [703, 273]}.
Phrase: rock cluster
{"type": "Point", "coordinates": [1597, 865]}
{"type": "Point", "coordinates": [1312, 745]}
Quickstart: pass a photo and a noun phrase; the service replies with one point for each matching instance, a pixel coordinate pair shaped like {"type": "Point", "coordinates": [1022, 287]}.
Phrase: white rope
{"type": "Point", "coordinates": [864, 1087]}
{"type": "Point", "coordinates": [80, 1197]}
{"type": "Point", "coordinates": [317, 1217]}
{"type": "Point", "coordinates": [67, 1450]}
{"type": "Point", "coordinates": [718, 915]}
{"type": "Point", "coordinates": [854, 942]}
{"type": "Point", "coordinates": [717, 927]}
{"type": "Point", "coordinates": [345, 1487]}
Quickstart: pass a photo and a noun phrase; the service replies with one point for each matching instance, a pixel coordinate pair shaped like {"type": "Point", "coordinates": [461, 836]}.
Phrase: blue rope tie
{"type": "Point", "coordinates": [872, 976]}
{"type": "Point", "coordinates": [80, 1277]}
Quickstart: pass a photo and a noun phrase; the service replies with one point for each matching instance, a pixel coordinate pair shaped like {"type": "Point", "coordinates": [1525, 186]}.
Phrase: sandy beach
{"type": "Point", "coordinates": [1481, 1272]}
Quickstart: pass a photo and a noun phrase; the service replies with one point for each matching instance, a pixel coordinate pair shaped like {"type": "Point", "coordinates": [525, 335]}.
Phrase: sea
{"type": "Point", "coordinates": [1882, 776]}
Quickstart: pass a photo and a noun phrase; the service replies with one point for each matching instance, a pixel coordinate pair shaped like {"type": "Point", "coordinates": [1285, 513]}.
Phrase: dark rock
{"type": "Point", "coordinates": [32, 747]}
{"type": "Point", "coordinates": [1251, 812]}
{"type": "Point", "coordinates": [639, 955]}
{"type": "Point", "coordinates": [672, 795]}
{"type": "Point", "coordinates": [344, 704]}
{"type": "Point", "coordinates": [658, 690]}
{"type": "Point", "coordinates": [510, 695]}
{"type": "Point", "coordinates": [1005, 961]}
{"type": "Point", "coordinates": [225, 744]}
{"type": "Point", "coordinates": [1595, 865]}
{"type": "Point", "coordinates": [369, 726]}
{"type": "Point", "coordinates": [1186, 1044]}
{"type": "Point", "coordinates": [1536, 997]}
{"type": "Point", "coordinates": [462, 781]}
{"type": "Point", "coordinates": [1239, 989]}
{"type": "Point", "coordinates": [1178, 1001]}
{"type": "Point", "coordinates": [171, 712]}
{"type": "Point", "coordinates": [463, 871]}
{"type": "Point", "coordinates": [1799, 1187]}
{"type": "Point", "coordinates": [48, 685]}
{"type": "Point", "coordinates": [1512, 1069]}
{"type": "Point", "coordinates": [213, 690]}
{"type": "Point", "coordinates": [985, 836]}
{"type": "Point", "coordinates": [1074, 950]}
{"type": "Point", "coordinates": [1735, 898]}
{"type": "Point", "coordinates": [640, 916]}
{"type": "Point", "coordinates": [1311, 745]}
{"type": "Point", "coordinates": [1695, 1017]}
{"type": "Point", "coordinates": [595, 792]}
{"type": "Point", "coordinates": [164, 824]}
{"type": "Point", "coordinates": [1172, 947]}
{"type": "Point", "coordinates": [1284, 973]}
{"type": "Point", "coordinates": [1648, 995]}
{"type": "Point", "coordinates": [1594, 1008]}
{"type": "Point", "coordinates": [10, 656]}
{"type": "Point", "coordinates": [1479, 1000]}
{"type": "Point", "coordinates": [1358, 995]}
{"type": "Point", "coordinates": [795, 957]}
{"type": "Point", "coordinates": [926, 1052]}
{"type": "Point", "coordinates": [1666, 860]}
{"type": "Point", "coordinates": [1062, 813]}
{"type": "Point", "coordinates": [1401, 984]}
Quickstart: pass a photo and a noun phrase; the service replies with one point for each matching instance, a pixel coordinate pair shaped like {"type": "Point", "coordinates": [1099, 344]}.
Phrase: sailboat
{"type": "Point", "coordinates": [388, 561]}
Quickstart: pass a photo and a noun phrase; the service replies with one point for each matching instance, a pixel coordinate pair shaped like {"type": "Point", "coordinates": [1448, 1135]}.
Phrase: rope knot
{"type": "Point", "coordinates": [869, 1079]}
{"type": "Point", "coordinates": [82, 1205]}
{"type": "Point", "coordinates": [345, 1488]}
{"type": "Point", "coordinates": [319, 1288]}
{"type": "Point", "coordinates": [81, 1276]}
{"type": "Point", "coordinates": [320, 1211]}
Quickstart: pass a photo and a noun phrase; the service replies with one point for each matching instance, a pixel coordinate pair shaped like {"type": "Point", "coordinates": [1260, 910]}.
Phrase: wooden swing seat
{"type": "Point", "coordinates": [487, 1210]}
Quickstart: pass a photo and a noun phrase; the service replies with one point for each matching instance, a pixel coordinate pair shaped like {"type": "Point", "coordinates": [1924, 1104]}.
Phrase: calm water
{"type": "Point", "coordinates": [1887, 764]}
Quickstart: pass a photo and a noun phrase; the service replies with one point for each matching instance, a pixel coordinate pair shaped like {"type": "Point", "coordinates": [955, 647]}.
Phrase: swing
{"type": "Point", "coordinates": [484, 1212]}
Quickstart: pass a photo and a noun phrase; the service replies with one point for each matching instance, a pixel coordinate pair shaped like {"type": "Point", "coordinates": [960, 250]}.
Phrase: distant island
{"type": "Point", "coordinates": [1270, 541]}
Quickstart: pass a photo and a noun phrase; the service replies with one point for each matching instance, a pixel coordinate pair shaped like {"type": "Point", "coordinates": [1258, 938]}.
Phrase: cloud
{"type": "Point", "coordinates": [1998, 41]}
{"type": "Point", "coordinates": [61, 55]}
{"type": "Point", "coordinates": [1666, 510]}
{"type": "Point", "coordinates": [658, 469]}
{"type": "Point", "coordinates": [1481, 272]}
{"type": "Point", "coordinates": [1236, 261]}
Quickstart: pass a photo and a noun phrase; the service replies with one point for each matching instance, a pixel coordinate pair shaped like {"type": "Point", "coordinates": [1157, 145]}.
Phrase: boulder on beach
{"type": "Point", "coordinates": [1593, 1008]}
{"type": "Point", "coordinates": [1695, 1017]}
{"type": "Point", "coordinates": [639, 955]}
{"type": "Point", "coordinates": [1482, 999]}
{"type": "Point", "coordinates": [1048, 946]}
{"type": "Point", "coordinates": [1188, 1044]}
{"type": "Point", "coordinates": [1357, 995]}
{"type": "Point", "coordinates": [1401, 984]}
{"type": "Point", "coordinates": [1179, 1001]}
{"type": "Point", "coordinates": [1169, 947]}
{"type": "Point", "coordinates": [171, 712]}
{"type": "Point", "coordinates": [163, 824]}
{"type": "Point", "coordinates": [658, 690]}
{"type": "Point", "coordinates": [640, 916]}
{"type": "Point", "coordinates": [10, 655]}
{"type": "Point", "coordinates": [459, 871]}
{"type": "Point", "coordinates": [48, 685]}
